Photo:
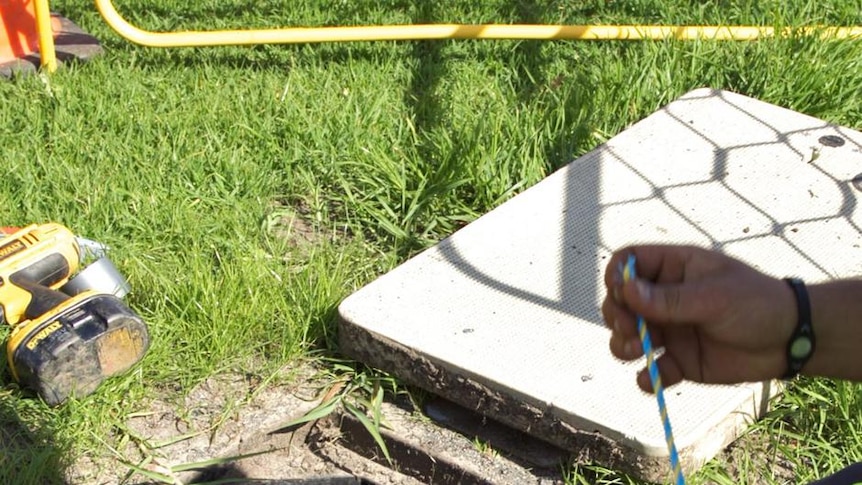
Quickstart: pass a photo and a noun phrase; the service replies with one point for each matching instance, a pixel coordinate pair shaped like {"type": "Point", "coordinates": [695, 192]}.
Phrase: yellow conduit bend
{"type": "Point", "coordinates": [444, 31]}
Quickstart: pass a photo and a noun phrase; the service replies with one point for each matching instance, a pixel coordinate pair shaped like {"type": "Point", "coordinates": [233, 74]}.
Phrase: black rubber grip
{"type": "Point", "coordinates": [48, 271]}
{"type": "Point", "coordinates": [36, 279]}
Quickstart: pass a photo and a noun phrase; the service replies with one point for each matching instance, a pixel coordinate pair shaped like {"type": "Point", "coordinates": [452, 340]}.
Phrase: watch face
{"type": "Point", "coordinates": [801, 347]}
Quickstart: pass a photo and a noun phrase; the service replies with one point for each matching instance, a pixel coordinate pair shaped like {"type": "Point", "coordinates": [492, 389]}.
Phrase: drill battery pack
{"type": "Point", "coordinates": [70, 350]}
{"type": "Point", "coordinates": [70, 329]}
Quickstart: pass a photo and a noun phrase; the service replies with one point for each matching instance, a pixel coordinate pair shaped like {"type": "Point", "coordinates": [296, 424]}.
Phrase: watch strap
{"type": "Point", "coordinates": [801, 345]}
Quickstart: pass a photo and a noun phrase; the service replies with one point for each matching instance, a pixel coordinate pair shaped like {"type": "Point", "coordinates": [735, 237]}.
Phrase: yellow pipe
{"type": "Point", "coordinates": [46, 35]}
{"type": "Point", "coordinates": [443, 31]}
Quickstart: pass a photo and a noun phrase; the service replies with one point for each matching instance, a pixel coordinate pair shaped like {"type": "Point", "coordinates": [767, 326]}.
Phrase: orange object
{"type": "Point", "coordinates": [19, 36]}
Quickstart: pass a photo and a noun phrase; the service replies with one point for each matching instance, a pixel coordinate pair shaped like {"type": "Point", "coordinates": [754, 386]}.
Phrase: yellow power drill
{"type": "Point", "coordinates": [68, 335]}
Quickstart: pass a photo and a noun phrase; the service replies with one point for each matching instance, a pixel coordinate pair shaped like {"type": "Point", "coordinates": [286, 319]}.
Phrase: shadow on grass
{"type": "Point", "coordinates": [31, 448]}
{"type": "Point", "coordinates": [27, 455]}
{"type": "Point", "coordinates": [560, 101]}
{"type": "Point", "coordinates": [533, 78]}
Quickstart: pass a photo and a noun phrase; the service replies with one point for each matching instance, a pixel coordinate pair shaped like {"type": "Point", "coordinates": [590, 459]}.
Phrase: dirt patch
{"type": "Point", "coordinates": [301, 227]}
{"type": "Point", "coordinates": [221, 418]}
{"type": "Point", "coordinates": [294, 225]}
{"type": "Point", "coordinates": [234, 430]}
{"type": "Point", "coordinates": [231, 430]}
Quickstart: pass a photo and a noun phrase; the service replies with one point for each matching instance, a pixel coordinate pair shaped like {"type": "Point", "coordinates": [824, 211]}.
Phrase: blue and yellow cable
{"type": "Point", "coordinates": [646, 342]}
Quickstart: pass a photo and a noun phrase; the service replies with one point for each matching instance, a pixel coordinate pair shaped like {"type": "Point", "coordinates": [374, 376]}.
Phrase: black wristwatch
{"type": "Point", "coordinates": [802, 342]}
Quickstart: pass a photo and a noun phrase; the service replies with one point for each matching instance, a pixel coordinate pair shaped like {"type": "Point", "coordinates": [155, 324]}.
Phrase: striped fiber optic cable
{"type": "Point", "coordinates": [655, 378]}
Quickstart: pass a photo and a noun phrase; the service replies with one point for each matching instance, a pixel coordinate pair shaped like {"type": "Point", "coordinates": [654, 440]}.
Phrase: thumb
{"type": "Point", "coordinates": [667, 303]}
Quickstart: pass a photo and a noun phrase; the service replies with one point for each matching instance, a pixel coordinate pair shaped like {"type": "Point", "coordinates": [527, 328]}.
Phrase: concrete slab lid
{"type": "Point", "coordinates": [511, 301]}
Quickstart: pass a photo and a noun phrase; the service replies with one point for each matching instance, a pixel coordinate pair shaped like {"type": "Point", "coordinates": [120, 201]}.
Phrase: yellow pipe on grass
{"type": "Point", "coordinates": [295, 35]}
{"type": "Point", "coordinates": [47, 53]}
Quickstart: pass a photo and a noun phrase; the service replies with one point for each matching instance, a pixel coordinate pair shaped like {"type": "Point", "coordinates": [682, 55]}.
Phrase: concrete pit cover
{"type": "Point", "coordinates": [503, 316]}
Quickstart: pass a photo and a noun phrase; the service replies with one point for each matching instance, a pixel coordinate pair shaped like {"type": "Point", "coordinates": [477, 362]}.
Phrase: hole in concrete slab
{"type": "Point", "coordinates": [831, 141]}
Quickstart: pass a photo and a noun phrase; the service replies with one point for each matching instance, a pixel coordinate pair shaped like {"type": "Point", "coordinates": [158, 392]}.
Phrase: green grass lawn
{"type": "Point", "coordinates": [246, 190]}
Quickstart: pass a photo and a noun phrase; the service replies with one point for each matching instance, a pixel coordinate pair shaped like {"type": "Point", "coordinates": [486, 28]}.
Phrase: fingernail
{"type": "Point", "coordinates": [616, 325]}
{"type": "Point", "coordinates": [632, 348]}
{"type": "Point", "coordinates": [617, 295]}
{"type": "Point", "coordinates": [644, 290]}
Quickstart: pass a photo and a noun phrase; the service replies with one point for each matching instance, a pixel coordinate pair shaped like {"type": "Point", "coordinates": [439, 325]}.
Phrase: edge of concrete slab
{"type": "Point", "coordinates": [587, 446]}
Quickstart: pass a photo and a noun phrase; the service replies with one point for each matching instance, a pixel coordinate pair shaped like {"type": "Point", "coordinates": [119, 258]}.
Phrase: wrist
{"type": "Point", "coordinates": [776, 321]}
{"type": "Point", "coordinates": [822, 361]}
{"type": "Point", "coordinates": [802, 342]}
{"type": "Point", "coordinates": [836, 307]}
{"type": "Point", "coordinates": [835, 310]}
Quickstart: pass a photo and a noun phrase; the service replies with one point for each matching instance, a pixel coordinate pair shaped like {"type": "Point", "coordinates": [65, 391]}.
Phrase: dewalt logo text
{"type": "Point", "coordinates": [10, 249]}
{"type": "Point", "coordinates": [43, 334]}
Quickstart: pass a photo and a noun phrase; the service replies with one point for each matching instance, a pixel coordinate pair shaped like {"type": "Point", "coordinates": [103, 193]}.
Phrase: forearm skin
{"type": "Point", "coordinates": [836, 315]}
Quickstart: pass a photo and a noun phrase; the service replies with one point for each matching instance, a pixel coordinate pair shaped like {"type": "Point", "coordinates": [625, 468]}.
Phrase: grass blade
{"type": "Point", "coordinates": [215, 461]}
{"type": "Point", "coordinates": [372, 429]}
{"type": "Point", "coordinates": [319, 412]}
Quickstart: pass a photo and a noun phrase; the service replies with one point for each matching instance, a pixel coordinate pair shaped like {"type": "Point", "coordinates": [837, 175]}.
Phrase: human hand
{"type": "Point", "coordinates": [719, 320]}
